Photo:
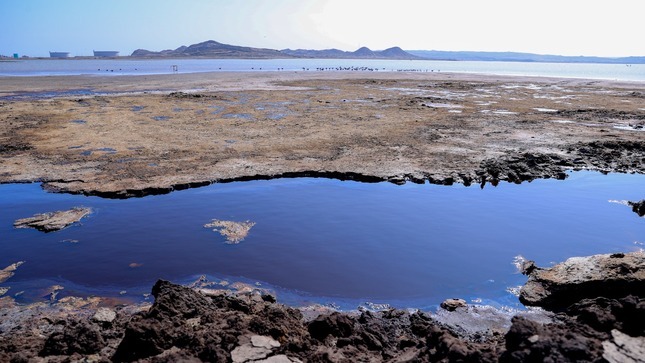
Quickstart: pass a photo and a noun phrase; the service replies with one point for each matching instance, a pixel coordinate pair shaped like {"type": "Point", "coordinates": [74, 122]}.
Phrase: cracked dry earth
{"type": "Point", "coordinates": [152, 134]}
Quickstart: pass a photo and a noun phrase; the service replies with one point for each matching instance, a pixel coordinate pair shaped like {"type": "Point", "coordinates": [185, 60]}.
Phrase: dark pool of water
{"type": "Point", "coordinates": [323, 240]}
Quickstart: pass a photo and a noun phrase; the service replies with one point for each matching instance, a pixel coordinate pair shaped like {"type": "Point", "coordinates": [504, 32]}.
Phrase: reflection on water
{"type": "Point", "coordinates": [339, 242]}
{"type": "Point", "coordinates": [126, 66]}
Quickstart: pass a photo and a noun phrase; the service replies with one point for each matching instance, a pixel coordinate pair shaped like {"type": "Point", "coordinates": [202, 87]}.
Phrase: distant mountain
{"type": "Point", "coordinates": [212, 49]}
{"type": "Point", "coordinates": [361, 53]}
{"type": "Point", "coordinates": [520, 57]}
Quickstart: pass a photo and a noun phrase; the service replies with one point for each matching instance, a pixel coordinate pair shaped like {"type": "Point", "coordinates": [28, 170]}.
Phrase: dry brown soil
{"type": "Point", "coordinates": [148, 134]}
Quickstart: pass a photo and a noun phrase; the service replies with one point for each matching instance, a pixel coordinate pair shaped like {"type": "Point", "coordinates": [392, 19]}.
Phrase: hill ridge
{"type": "Point", "coordinates": [214, 49]}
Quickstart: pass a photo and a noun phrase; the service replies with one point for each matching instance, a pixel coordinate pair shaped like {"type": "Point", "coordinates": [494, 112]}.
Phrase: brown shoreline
{"type": "Point", "coordinates": [153, 134]}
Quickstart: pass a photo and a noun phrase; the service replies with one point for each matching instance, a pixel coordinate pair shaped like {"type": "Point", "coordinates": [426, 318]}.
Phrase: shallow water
{"type": "Point", "coordinates": [321, 240]}
{"type": "Point", "coordinates": [113, 67]}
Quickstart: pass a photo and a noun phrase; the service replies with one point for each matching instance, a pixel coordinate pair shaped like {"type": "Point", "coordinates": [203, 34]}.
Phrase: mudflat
{"type": "Point", "coordinates": [127, 136]}
{"type": "Point", "coordinates": [131, 136]}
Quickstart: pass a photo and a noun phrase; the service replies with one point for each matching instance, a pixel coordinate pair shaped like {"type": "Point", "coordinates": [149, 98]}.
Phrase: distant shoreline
{"type": "Point", "coordinates": [134, 66]}
{"type": "Point", "coordinates": [600, 60]}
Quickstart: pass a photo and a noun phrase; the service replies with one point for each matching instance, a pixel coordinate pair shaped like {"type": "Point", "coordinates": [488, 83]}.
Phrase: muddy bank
{"type": "Point", "coordinates": [152, 135]}
{"type": "Point", "coordinates": [187, 325]}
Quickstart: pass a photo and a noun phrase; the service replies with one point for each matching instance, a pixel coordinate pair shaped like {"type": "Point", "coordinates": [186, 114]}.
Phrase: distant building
{"type": "Point", "coordinates": [106, 53]}
{"type": "Point", "coordinates": [16, 56]}
{"type": "Point", "coordinates": [59, 54]}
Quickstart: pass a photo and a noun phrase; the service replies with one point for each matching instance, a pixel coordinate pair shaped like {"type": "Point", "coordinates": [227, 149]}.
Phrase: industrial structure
{"type": "Point", "coordinates": [59, 54]}
{"type": "Point", "coordinates": [106, 53]}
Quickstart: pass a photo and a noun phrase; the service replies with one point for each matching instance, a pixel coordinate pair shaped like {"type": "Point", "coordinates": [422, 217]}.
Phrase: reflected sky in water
{"type": "Point", "coordinates": [324, 240]}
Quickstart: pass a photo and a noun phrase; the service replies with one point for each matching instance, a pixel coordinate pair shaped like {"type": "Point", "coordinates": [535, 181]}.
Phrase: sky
{"type": "Point", "coordinates": [612, 28]}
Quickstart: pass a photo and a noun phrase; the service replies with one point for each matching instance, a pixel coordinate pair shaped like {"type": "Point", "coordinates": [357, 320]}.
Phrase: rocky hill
{"type": "Point", "coordinates": [213, 49]}
{"type": "Point", "coordinates": [361, 53]}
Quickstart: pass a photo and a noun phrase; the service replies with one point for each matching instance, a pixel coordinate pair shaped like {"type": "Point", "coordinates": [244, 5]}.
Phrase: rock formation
{"type": "Point", "coordinates": [235, 232]}
{"type": "Point", "coordinates": [187, 325]}
{"type": "Point", "coordinates": [638, 207]}
{"type": "Point", "coordinates": [53, 221]}
{"type": "Point", "coordinates": [611, 275]}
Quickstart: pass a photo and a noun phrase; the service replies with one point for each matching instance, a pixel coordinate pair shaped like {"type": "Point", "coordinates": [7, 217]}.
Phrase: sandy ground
{"type": "Point", "coordinates": [147, 134]}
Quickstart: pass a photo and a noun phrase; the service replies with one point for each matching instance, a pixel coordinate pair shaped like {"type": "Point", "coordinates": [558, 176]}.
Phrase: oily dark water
{"type": "Point", "coordinates": [320, 240]}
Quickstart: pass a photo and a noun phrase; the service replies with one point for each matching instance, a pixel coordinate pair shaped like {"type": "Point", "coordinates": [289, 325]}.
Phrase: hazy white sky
{"type": "Point", "coordinates": [567, 27]}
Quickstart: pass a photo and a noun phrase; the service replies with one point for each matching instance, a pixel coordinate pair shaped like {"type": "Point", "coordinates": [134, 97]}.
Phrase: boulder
{"type": "Point", "coordinates": [104, 316]}
{"type": "Point", "coordinates": [80, 336]}
{"type": "Point", "coordinates": [453, 304]}
{"type": "Point", "coordinates": [610, 275]}
{"type": "Point", "coordinates": [622, 348]}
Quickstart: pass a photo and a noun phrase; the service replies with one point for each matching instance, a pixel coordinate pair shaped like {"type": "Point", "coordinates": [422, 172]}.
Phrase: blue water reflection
{"type": "Point", "coordinates": [326, 240]}
{"type": "Point", "coordinates": [126, 66]}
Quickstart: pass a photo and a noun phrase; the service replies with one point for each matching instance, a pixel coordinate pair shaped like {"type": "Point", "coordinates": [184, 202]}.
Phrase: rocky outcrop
{"type": "Point", "coordinates": [186, 323]}
{"type": "Point", "coordinates": [8, 271]}
{"type": "Point", "coordinates": [82, 337]}
{"type": "Point", "coordinates": [453, 304]}
{"type": "Point", "coordinates": [638, 207]}
{"type": "Point", "coordinates": [612, 275]}
{"type": "Point", "coordinates": [610, 156]}
{"type": "Point", "coordinates": [53, 221]}
{"type": "Point", "coordinates": [604, 156]}
{"type": "Point", "coordinates": [210, 328]}
{"type": "Point", "coordinates": [191, 326]}
{"type": "Point", "coordinates": [528, 341]}
{"type": "Point", "coordinates": [623, 348]}
{"type": "Point", "coordinates": [235, 232]}
{"type": "Point", "coordinates": [588, 331]}
{"type": "Point", "coordinates": [516, 168]}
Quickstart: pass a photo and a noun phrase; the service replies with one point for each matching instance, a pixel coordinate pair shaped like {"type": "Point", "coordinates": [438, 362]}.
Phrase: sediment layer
{"type": "Point", "coordinates": [154, 134]}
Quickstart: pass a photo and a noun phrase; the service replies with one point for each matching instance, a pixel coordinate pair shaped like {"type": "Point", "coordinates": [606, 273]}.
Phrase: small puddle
{"type": "Point", "coordinates": [47, 94]}
{"type": "Point", "coordinates": [630, 127]}
{"type": "Point", "coordinates": [107, 150]}
{"type": "Point", "coordinates": [217, 109]}
{"type": "Point", "coordinates": [340, 243]}
{"type": "Point", "coordinates": [440, 105]}
{"type": "Point", "coordinates": [244, 116]}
